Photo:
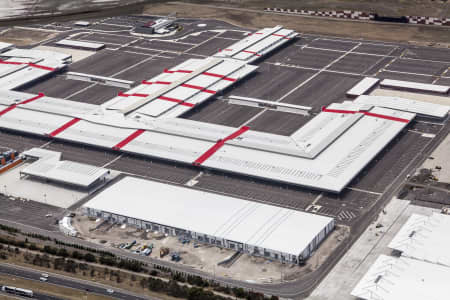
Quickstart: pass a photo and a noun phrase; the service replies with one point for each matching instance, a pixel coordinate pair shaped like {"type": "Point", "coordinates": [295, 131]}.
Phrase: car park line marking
{"type": "Point", "coordinates": [317, 74]}
{"type": "Point", "coordinates": [113, 160]}
{"type": "Point", "coordinates": [363, 191]}
{"type": "Point", "coordinates": [205, 41]}
{"type": "Point", "coordinates": [441, 76]}
{"type": "Point", "coordinates": [409, 73]}
{"type": "Point", "coordinates": [374, 64]}
{"type": "Point", "coordinates": [80, 91]}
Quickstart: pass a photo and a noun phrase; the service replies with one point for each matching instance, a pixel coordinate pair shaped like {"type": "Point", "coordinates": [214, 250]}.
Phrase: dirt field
{"type": "Point", "coordinates": [251, 19]}
{"type": "Point", "coordinates": [23, 37]}
{"type": "Point", "coordinates": [437, 8]}
{"type": "Point", "coordinates": [206, 257]}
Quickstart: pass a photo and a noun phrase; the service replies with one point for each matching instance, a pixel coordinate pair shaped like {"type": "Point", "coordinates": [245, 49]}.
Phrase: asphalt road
{"type": "Point", "coordinates": [68, 282]}
{"type": "Point", "coordinates": [38, 296]}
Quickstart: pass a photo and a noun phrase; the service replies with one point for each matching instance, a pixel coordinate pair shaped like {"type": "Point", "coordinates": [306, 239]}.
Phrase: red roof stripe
{"type": "Point", "coordinates": [128, 139]}
{"type": "Point", "coordinates": [40, 95]}
{"type": "Point", "coordinates": [198, 88]}
{"type": "Point", "coordinates": [175, 71]}
{"type": "Point", "coordinates": [64, 127]}
{"type": "Point", "coordinates": [218, 145]}
{"type": "Point", "coordinates": [219, 75]}
{"type": "Point", "coordinates": [176, 101]}
{"type": "Point", "coordinates": [366, 113]}
{"type": "Point", "coordinates": [132, 95]}
{"type": "Point", "coordinates": [251, 52]}
{"type": "Point", "coordinates": [29, 64]}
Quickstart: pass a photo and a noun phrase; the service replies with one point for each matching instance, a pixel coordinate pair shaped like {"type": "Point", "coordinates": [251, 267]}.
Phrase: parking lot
{"type": "Point", "coordinates": [312, 70]}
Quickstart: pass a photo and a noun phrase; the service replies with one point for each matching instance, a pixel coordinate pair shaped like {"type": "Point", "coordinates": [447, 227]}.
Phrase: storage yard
{"type": "Point", "coordinates": [284, 123]}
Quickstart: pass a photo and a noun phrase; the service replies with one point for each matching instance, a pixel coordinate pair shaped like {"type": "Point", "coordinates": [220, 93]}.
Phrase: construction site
{"type": "Point", "coordinates": [256, 157]}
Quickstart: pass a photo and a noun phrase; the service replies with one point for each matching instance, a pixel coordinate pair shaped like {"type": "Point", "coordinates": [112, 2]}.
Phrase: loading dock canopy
{"type": "Point", "coordinates": [50, 167]}
{"type": "Point", "coordinates": [223, 217]}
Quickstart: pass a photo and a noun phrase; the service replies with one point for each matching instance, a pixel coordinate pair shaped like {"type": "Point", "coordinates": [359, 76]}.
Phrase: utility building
{"type": "Point", "coordinates": [255, 228]}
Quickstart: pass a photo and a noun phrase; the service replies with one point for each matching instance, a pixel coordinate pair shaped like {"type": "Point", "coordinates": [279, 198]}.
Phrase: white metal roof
{"type": "Point", "coordinates": [49, 166]}
{"type": "Point", "coordinates": [415, 86]}
{"type": "Point", "coordinates": [425, 238]}
{"type": "Point", "coordinates": [22, 66]}
{"type": "Point", "coordinates": [257, 44]}
{"type": "Point", "coordinates": [363, 86]}
{"type": "Point", "coordinates": [252, 153]}
{"type": "Point", "coordinates": [221, 216]}
{"type": "Point", "coordinates": [80, 44]}
{"type": "Point", "coordinates": [391, 278]}
{"type": "Point", "coordinates": [82, 23]}
{"type": "Point", "coordinates": [418, 107]}
{"type": "Point", "coordinates": [5, 46]}
{"type": "Point", "coordinates": [185, 85]}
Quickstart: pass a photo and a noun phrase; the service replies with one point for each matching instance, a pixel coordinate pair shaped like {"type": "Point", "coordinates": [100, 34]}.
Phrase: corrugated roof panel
{"type": "Point", "coordinates": [419, 107]}
{"type": "Point", "coordinates": [95, 134]}
{"type": "Point", "coordinates": [393, 278]}
{"type": "Point", "coordinates": [363, 86]}
{"type": "Point", "coordinates": [222, 214]}
{"type": "Point", "coordinates": [32, 121]}
{"type": "Point", "coordinates": [170, 147]}
{"type": "Point", "coordinates": [156, 107]}
{"type": "Point", "coordinates": [415, 86]}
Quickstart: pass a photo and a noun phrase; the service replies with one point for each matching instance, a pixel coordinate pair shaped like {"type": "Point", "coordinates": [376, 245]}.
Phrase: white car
{"type": "Point", "coordinates": [110, 291]}
{"type": "Point", "coordinates": [43, 279]}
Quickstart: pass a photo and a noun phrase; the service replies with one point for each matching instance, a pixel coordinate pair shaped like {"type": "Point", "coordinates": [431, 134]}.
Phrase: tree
{"type": "Point", "coordinates": [63, 252]}
{"type": "Point", "coordinates": [89, 257]}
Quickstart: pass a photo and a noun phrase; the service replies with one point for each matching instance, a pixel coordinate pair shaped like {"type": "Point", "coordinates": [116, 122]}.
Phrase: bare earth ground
{"type": "Point", "coordinates": [206, 257]}
{"type": "Point", "coordinates": [344, 28]}
{"type": "Point", "coordinates": [436, 8]}
{"type": "Point", "coordinates": [23, 37]}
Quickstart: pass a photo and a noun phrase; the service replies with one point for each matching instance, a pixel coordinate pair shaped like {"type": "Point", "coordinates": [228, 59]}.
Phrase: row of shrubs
{"type": "Point", "coordinates": [132, 265]}
{"type": "Point", "coordinates": [109, 259]}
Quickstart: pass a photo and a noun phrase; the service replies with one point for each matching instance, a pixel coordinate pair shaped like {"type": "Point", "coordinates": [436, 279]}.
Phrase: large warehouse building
{"type": "Point", "coordinates": [259, 229]}
{"type": "Point", "coordinates": [423, 269]}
